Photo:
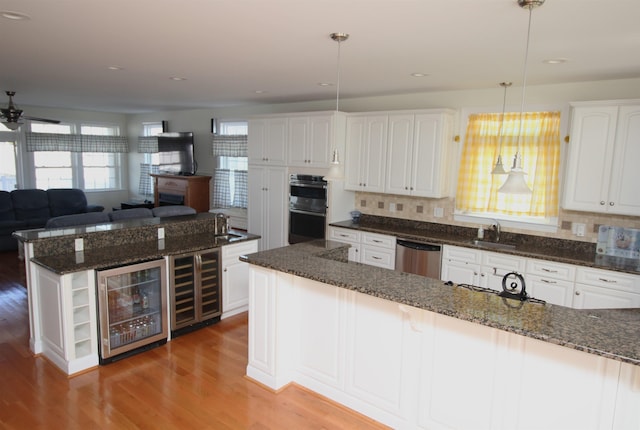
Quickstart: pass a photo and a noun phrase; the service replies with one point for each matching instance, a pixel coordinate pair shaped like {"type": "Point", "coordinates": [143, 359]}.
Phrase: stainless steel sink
{"type": "Point", "coordinates": [228, 236]}
{"type": "Point", "coordinates": [493, 245]}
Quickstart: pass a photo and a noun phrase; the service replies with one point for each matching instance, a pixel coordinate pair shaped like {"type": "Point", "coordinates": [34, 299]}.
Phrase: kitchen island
{"type": "Point", "coordinates": [62, 283]}
{"type": "Point", "coordinates": [413, 352]}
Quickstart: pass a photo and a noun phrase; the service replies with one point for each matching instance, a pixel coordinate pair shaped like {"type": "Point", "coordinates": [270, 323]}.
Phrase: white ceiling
{"type": "Point", "coordinates": [228, 49]}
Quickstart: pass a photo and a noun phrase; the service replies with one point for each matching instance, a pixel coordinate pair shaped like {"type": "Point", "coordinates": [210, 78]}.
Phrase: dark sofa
{"type": "Point", "coordinates": [31, 208]}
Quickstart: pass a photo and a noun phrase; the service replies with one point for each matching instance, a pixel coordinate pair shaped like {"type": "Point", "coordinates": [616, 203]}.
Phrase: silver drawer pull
{"type": "Point", "coordinates": [549, 270]}
{"type": "Point", "coordinates": [377, 241]}
{"type": "Point", "coordinates": [611, 281]}
{"type": "Point", "coordinates": [548, 282]}
{"type": "Point", "coordinates": [376, 258]}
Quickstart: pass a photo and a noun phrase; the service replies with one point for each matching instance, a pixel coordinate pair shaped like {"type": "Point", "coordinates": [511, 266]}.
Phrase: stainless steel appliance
{"type": "Point", "coordinates": [419, 258]}
{"type": "Point", "coordinates": [307, 208]}
{"type": "Point", "coordinates": [132, 304]}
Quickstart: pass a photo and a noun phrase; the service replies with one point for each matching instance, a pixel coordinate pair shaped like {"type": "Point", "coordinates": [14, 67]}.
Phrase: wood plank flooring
{"type": "Point", "coordinates": [196, 381]}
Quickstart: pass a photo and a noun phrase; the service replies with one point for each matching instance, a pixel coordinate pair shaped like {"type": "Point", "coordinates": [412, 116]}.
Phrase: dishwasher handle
{"type": "Point", "coordinates": [418, 246]}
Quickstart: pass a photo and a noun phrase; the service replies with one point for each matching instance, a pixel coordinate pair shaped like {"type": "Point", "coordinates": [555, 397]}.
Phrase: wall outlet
{"type": "Point", "coordinates": [392, 207]}
{"type": "Point", "coordinates": [438, 212]}
{"type": "Point", "coordinates": [79, 244]}
{"type": "Point", "coordinates": [578, 228]}
{"type": "Point", "coordinates": [161, 233]}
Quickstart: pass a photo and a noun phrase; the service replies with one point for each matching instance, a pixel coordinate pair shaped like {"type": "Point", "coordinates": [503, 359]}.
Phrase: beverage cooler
{"type": "Point", "coordinates": [132, 305]}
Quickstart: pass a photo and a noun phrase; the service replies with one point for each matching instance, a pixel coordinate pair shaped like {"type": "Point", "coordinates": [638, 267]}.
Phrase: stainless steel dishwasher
{"type": "Point", "coordinates": [419, 258]}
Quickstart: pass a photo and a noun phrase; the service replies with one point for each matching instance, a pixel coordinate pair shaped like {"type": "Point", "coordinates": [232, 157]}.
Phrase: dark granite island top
{"type": "Point", "coordinates": [611, 333]}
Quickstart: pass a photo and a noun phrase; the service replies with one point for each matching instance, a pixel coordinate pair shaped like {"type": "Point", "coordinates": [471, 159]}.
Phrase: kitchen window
{"type": "Point", "coordinates": [231, 164]}
{"type": "Point", "coordinates": [539, 142]}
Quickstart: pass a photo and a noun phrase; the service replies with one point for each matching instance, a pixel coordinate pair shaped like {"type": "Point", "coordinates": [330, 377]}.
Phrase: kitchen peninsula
{"type": "Point", "coordinates": [63, 289]}
{"type": "Point", "coordinates": [413, 352]}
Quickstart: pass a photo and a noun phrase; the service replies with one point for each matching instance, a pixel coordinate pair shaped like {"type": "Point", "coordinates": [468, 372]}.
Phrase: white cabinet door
{"type": "Point", "coordinates": [496, 265]}
{"type": "Point", "coordinates": [597, 289]}
{"type": "Point", "coordinates": [235, 278]}
{"type": "Point", "coordinates": [602, 161]}
{"type": "Point", "coordinates": [267, 141]}
{"type": "Point", "coordinates": [550, 281]}
{"type": "Point", "coordinates": [461, 265]}
{"type": "Point", "coordinates": [400, 155]}
{"type": "Point", "coordinates": [345, 235]}
{"type": "Point", "coordinates": [366, 152]}
{"type": "Point", "coordinates": [310, 140]}
{"type": "Point", "coordinates": [267, 205]}
{"type": "Point", "coordinates": [378, 250]}
{"type": "Point", "coordinates": [431, 155]}
{"type": "Point", "coordinates": [624, 197]}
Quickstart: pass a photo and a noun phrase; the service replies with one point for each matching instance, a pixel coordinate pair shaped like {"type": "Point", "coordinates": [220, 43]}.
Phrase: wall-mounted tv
{"type": "Point", "coordinates": [176, 153]}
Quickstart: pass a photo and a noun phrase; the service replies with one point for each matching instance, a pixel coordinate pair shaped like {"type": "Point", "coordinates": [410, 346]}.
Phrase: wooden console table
{"type": "Point", "coordinates": [194, 190]}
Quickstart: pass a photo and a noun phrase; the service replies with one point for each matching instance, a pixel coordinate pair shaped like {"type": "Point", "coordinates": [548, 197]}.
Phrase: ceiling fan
{"type": "Point", "coordinates": [11, 115]}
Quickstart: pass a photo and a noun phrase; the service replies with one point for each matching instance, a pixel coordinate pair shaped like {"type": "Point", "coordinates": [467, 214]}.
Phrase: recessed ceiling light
{"type": "Point", "coordinates": [15, 16]}
{"type": "Point", "coordinates": [556, 60]}
{"type": "Point", "coordinates": [325, 84]}
{"type": "Point", "coordinates": [259, 91]}
{"type": "Point", "coordinates": [115, 68]}
{"type": "Point", "coordinates": [419, 75]}
{"type": "Point", "coordinates": [177, 78]}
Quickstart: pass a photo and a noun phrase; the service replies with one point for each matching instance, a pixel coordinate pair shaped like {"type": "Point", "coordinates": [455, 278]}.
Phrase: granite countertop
{"type": "Point", "coordinates": [559, 250]}
{"type": "Point", "coordinates": [113, 256]}
{"type": "Point", "coordinates": [611, 333]}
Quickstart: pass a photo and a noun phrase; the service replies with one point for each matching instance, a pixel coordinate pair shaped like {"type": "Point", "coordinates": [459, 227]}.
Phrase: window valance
{"type": "Point", "coordinates": [75, 143]}
{"type": "Point", "coordinates": [230, 145]}
{"type": "Point", "coordinates": [148, 144]}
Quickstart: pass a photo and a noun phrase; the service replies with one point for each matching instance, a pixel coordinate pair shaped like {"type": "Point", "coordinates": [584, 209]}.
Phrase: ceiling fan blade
{"type": "Point", "coordinates": [33, 118]}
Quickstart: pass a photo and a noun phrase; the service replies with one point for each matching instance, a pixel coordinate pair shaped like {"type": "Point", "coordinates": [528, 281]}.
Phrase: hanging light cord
{"type": "Point", "coordinates": [524, 82]}
{"type": "Point", "coordinates": [338, 78]}
{"type": "Point", "coordinates": [505, 85]}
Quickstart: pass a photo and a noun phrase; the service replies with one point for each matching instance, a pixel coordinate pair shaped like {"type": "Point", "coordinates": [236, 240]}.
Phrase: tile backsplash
{"type": "Point", "coordinates": [423, 209]}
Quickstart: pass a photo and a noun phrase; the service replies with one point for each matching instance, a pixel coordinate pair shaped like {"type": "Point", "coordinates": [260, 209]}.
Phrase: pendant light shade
{"type": "Point", "coordinates": [498, 168]}
{"type": "Point", "coordinates": [335, 172]}
{"type": "Point", "coordinates": [515, 183]}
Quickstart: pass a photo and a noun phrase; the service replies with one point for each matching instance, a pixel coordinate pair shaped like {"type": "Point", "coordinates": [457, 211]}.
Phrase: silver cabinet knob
{"type": "Point", "coordinates": [602, 202]}
{"type": "Point", "coordinates": [577, 293]}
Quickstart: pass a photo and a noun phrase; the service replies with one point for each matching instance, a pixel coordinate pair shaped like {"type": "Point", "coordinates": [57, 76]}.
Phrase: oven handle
{"type": "Point", "coordinates": [297, 211]}
{"type": "Point", "coordinates": [306, 185]}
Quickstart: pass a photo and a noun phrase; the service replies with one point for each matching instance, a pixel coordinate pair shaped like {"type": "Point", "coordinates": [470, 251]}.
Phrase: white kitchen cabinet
{"type": "Point", "coordinates": [476, 267]}
{"type": "Point", "coordinates": [235, 278]}
{"type": "Point", "coordinates": [550, 281]}
{"type": "Point", "coordinates": [365, 153]}
{"type": "Point", "coordinates": [68, 318]}
{"type": "Point", "coordinates": [311, 139]}
{"type": "Point", "coordinates": [418, 154]}
{"type": "Point", "coordinates": [461, 265]}
{"type": "Point", "coordinates": [267, 141]}
{"type": "Point", "coordinates": [267, 205]}
{"type": "Point", "coordinates": [378, 250]}
{"type": "Point", "coordinates": [600, 289]}
{"type": "Point", "coordinates": [346, 235]}
{"type": "Point", "coordinates": [602, 165]}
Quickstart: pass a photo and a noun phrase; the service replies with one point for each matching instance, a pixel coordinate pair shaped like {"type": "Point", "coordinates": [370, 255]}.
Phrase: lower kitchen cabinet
{"type": "Point", "coordinates": [600, 289]}
{"type": "Point", "coordinates": [235, 278]}
{"type": "Point", "coordinates": [369, 248]}
{"type": "Point", "coordinates": [550, 281]}
{"type": "Point", "coordinates": [352, 237]}
{"type": "Point", "coordinates": [194, 290]}
{"type": "Point", "coordinates": [414, 369]}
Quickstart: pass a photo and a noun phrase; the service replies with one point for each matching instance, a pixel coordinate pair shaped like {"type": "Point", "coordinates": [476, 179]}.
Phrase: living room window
{"type": "Point", "coordinates": [538, 142]}
{"type": "Point", "coordinates": [81, 162]}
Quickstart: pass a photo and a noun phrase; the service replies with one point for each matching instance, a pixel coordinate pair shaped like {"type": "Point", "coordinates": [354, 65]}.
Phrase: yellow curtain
{"type": "Point", "coordinates": [539, 148]}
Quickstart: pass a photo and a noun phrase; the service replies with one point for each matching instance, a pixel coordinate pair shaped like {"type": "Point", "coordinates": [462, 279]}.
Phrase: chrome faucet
{"type": "Point", "coordinates": [496, 229]}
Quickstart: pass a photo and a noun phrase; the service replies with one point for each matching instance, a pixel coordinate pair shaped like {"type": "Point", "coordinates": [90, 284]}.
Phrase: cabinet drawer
{"type": "Point", "coordinates": [460, 254]}
{"type": "Point", "coordinates": [376, 256]}
{"type": "Point", "coordinates": [381, 240]}
{"type": "Point", "coordinates": [344, 235]}
{"type": "Point", "coordinates": [608, 279]}
{"type": "Point", "coordinates": [549, 269]}
{"type": "Point", "coordinates": [168, 184]}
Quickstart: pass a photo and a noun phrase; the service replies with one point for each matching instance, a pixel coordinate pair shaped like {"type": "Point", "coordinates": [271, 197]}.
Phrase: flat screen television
{"type": "Point", "coordinates": [176, 153]}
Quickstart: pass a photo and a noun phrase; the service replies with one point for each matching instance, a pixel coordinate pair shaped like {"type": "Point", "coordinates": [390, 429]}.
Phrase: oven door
{"type": "Point", "coordinates": [305, 226]}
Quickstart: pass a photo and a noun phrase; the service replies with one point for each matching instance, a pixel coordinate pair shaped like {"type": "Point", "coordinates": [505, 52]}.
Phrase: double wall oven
{"type": "Point", "coordinates": [307, 208]}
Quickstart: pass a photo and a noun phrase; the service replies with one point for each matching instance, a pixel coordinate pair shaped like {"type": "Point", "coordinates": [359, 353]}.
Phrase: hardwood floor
{"type": "Point", "coordinates": [196, 381]}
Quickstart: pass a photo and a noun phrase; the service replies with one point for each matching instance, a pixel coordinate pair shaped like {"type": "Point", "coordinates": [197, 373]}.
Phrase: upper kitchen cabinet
{"type": "Point", "coordinates": [418, 154]}
{"type": "Point", "coordinates": [267, 141]}
{"type": "Point", "coordinates": [366, 152]}
{"type": "Point", "coordinates": [602, 167]}
{"type": "Point", "coordinates": [311, 139]}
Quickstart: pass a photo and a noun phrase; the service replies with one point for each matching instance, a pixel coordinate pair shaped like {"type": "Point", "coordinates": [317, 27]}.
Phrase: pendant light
{"type": "Point", "coordinates": [498, 169]}
{"type": "Point", "coordinates": [515, 183]}
{"type": "Point", "coordinates": [335, 172]}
